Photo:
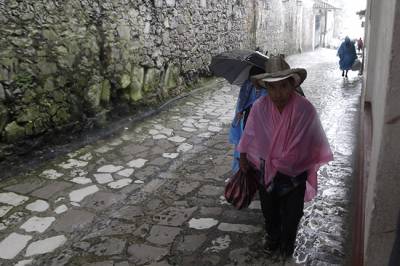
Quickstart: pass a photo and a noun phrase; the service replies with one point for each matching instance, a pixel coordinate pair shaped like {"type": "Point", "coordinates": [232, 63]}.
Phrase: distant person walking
{"type": "Point", "coordinates": [347, 54]}
{"type": "Point", "coordinates": [360, 44]}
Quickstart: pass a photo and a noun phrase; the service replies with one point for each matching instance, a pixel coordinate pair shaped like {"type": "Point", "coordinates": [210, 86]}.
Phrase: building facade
{"type": "Point", "coordinates": [378, 223]}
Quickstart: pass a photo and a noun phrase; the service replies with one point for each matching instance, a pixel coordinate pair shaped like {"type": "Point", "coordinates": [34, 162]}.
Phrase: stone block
{"type": "Point", "coordinates": [50, 35]}
{"type": "Point", "coordinates": [2, 92]}
{"type": "Point", "coordinates": [124, 31]}
{"type": "Point", "coordinates": [49, 190]}
{"type": "Point", "coordinates": [72, 221]}
{"type": "Point", "coordinates": [102, 200]}
{"type": "Point", "coordinates": [125, 81]}
{"type": "Point", "coordinates": [152, 80]}
{"type": "Point", "coordinates": [171, 77]}
{"type": "Point", "coordinates": [49, 85]}
{"type": "Point", "coordinates": [30, 113]}
{"type": "Point", "coordinates": [137, 77]}
{"type": "Point", "coordinates": [174, 216]}
{"type": "Point", "coordinates": [203, 4]}
{"type": "Point", "coordinates": [170, 3]}
{"type": "Point", "coordinates": [129, 213]}
{"type": "Point", "coordinates": [208, 190]}
{"type": "Point", "coordinates": [3, 115]}
{"type": "Point", "coordinates": [135, 94]}
{"type": "Point", "coordinates": [14, 132]}
{"type": "Point", "coordinates": [163, 235]}
{"type": "Point", "coordinates": [191, 243]}
{"type": "Point", "coordinates": [111, 246]}
{"type": "Point", "coordinates": [13, 244]}
{"type": "Point", "coordinates": [105, 91]}
{"type": "Point", "coordinates": [144, 254]}
{"type": "Point", "coordinates": [47, 68]}
{"type": "Point", "coordinates": [158, 3]}
{"type": "Point", "coordinates": [93, 95]}
{"type": "Point", "coordinates": [27, 187]}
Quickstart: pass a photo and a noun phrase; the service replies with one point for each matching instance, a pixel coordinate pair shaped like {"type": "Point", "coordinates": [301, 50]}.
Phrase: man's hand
{"type": "Point", "coordinates": [244, 163]}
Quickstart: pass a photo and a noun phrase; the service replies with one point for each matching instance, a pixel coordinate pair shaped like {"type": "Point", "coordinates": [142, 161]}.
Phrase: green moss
{"type": "Point", "coordinates": [171, 77]}
{"type": "Point", "coordinates": [46, 68]}
{"type": "Point", "coordinates": [24, 81]}
{"type": "Point", "coordinates": [50, 35]}
{"type": "Point", "coordinates": [93, 94]}
{"type": "Point", "coordinates": [13, 132]}
{"type": "Point", "coordinates": [3, 116]}
{"type": "Point", "coordinates": [29, 96]}
{"type": "Point", "coordinates": [135, 93]}
{"type": "Point", "coordinates": [105, 91]}
{"type": "Point", "coordinates": [29, 131]}
{"type": "Point", "coordinates": [30, 113]}
{"type": "Point", "coordinates": [59, 96]}
{"type": "Point", "coordinates": [138, 77]}
{"type": "Point", "coordinates": [125, 81]}
{"type": "Point", "coordinates": [151, 80]}
{"type": "Point", "coordinates": [62, 116]}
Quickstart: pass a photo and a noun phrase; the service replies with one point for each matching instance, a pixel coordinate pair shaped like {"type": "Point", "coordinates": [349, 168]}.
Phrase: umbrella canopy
{"type": "Point", "coordinates": [235, 65]}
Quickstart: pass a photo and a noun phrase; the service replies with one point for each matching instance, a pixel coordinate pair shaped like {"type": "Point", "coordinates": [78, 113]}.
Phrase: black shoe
{"type": "Point", "coordinates": [342, 74]}
{"type": "Point", "coordinates": [270, 245]}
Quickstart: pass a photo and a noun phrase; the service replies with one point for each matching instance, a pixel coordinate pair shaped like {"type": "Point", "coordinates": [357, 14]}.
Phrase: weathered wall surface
{"type": "Point", "coordinates": [284, 26]}
{"type": "Point", "coordinates": [67, 64]}
{"type": "Point", "coordinates": [64, 62]}
{"type": "Point", "coordinates": [382, 203]}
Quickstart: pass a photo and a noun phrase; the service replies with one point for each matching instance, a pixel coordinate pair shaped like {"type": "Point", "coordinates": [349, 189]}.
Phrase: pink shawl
{"type": "Point", "coordinates": [290, 142]}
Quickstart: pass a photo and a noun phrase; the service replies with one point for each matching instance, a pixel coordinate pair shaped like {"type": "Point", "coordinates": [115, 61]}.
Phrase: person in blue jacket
{"type": "Point", "coordinates": [347, 54]}
{"type": "Point", "coordinates": [249, 93]}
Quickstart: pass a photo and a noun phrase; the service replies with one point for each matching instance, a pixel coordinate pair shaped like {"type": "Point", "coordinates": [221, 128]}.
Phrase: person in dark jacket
{"type": "Point", "coordinates": [347, 54]}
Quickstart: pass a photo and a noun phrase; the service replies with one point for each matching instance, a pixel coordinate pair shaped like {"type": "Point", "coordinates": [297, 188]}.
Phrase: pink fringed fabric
{"type": "Point", "coordinates": [290, 142]}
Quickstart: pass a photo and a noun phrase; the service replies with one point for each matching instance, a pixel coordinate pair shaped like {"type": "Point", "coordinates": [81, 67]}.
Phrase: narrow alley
{"type": "Point", "coordinates": [153, 195]}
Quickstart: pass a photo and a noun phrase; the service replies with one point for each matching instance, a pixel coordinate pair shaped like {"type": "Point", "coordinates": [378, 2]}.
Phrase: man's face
{"type": "Point", "coordinates": [280, 92]}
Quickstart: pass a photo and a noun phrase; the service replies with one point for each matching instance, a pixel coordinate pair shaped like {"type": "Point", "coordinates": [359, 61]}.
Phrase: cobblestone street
{"type": "Point", "coordinates": [153, 195]}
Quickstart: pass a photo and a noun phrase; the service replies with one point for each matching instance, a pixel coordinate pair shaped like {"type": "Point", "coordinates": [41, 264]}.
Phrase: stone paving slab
{"type": "Point", "coordinates": [153, 193]}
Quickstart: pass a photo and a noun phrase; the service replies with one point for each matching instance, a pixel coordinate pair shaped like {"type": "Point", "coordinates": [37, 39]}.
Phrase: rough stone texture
{"type": "Point", "coordinates": [190, 243]}
{"type": "Point", "coordinates": [12, 245]}
{"type": "Point", "coordinates": [174, 216]}
{"type": "Point", "coordinates": [321, 239]}
{"type": "Point", "coordinates": [25, 188]}
{"type": "Point", "coordinates": [162, 235]}
{"type": "Point", "coordinates": [141, 254]}
{"type": "Point", "coordinates": [73, 220]}
{"type": "Point", "coordinates": [61, 66]}
{"type": "Point", "coordinates": [128, 213]}
{"type": "Point", "coordinates": [49, 190]}
{"type": "Point", "coordinates": [110, 246]}
{"type": "Point", "coordinates": [37, 224]}
{"type": "Point", "coordinates": [45, 245]}
{"type": "Point", "coordinates": [101, 200]}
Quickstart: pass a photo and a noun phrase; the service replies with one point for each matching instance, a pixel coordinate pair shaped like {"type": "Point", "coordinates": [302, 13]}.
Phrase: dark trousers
{"type": "Point", "coordinates": [282, 215]}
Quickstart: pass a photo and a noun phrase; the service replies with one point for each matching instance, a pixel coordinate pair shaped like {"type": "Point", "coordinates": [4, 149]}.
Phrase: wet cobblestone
{"type": "Point", "coordinates": [152, 195]}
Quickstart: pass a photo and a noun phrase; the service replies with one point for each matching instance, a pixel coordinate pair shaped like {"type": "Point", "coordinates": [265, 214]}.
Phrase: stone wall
{"type": "Point", "coordinates": [284, 26]}
{"type": "Point", "coordinates": [67, 64]}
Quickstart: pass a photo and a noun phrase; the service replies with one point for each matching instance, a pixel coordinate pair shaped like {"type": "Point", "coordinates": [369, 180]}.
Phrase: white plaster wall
{"type": "Point", "coordinates": [383, 89]}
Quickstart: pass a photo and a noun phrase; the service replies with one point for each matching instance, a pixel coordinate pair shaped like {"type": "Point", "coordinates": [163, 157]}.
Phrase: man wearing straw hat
{"type": "Point", "coordinates": [285, 141]}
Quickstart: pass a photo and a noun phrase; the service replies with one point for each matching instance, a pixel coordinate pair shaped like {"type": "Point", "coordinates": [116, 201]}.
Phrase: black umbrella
{"type": "Point", "coordinates": [235, 65]}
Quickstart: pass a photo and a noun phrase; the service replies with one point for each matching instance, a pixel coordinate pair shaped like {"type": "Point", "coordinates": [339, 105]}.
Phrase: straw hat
{"type": "Point", "coordinates": [278, 69]}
